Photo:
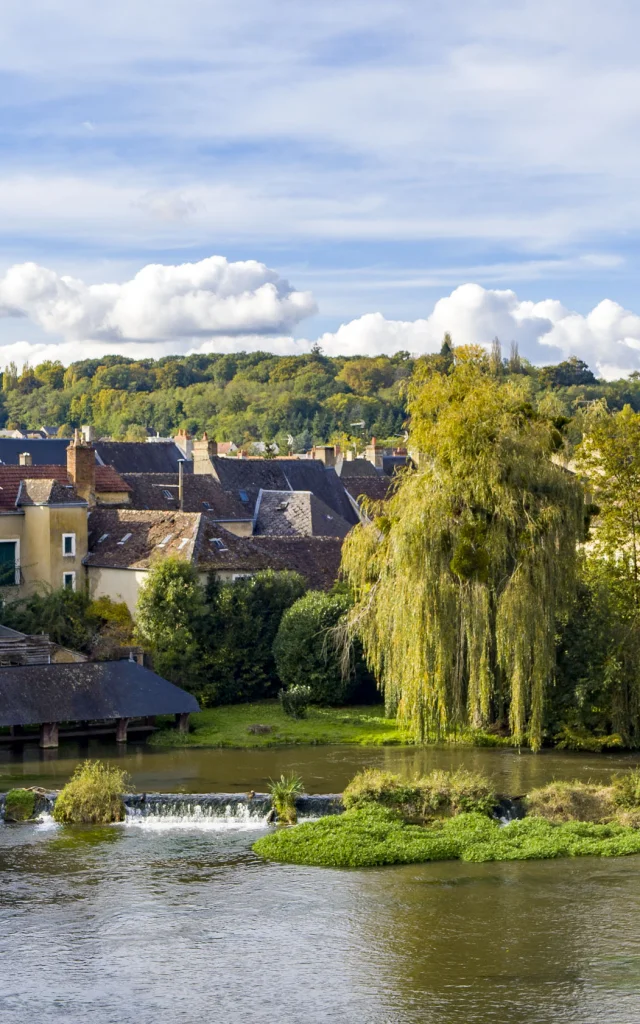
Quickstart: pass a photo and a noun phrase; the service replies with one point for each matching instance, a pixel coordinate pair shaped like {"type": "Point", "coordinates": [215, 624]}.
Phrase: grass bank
{"type": "Point", "coordinates": [238, 726]}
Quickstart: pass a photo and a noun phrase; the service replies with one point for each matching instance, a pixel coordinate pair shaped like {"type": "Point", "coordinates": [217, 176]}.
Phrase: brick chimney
{"type": "Point", "coordinates": [203, 451]}
{"type": "Point", "coordinates": [81, 467]}
{"type": "Point", "coordinates": [184, 442]}
{"type": "Point", "coordinates": [25, 459]}
{"type": "Point", "coordinates": [325, 453]}
{"type": "Point", "coordinates": [373, 453]}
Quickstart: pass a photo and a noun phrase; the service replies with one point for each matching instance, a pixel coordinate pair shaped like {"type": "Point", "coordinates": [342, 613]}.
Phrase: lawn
{"type": "Point", "coordinates": [229, 726]}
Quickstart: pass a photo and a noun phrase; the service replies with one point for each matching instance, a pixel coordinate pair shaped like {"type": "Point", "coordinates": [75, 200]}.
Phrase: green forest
{"type": "Point", "coordinates": [257, 396]}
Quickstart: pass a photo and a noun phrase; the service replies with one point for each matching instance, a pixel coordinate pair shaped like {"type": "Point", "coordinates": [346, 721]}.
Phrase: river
{"type": "Point", "coordinates": [180, 925]}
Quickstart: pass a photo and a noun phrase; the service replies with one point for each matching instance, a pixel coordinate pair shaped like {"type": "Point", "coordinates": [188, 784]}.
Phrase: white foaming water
{"type": "Point", "coordinates": [235, 817]}
{"type": "Point", "coordinates": [46, 823]}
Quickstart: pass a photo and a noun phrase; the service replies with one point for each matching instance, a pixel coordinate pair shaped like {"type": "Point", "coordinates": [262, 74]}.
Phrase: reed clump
{"type": "Point", "coordinates": [93, 795]}
{"type": "Point", "coordinates": [572, 801]}
{"type": "Point", "coordinates": [437, 795]}
{"type": "Point", "coordinates": [19, 805]}
{"type": "Point", "coordinates": [284, 792]}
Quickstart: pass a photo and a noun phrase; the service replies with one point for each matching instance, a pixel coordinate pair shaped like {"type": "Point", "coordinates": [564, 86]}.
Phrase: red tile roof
{"type": "Point", "coordinates": [107, 480]}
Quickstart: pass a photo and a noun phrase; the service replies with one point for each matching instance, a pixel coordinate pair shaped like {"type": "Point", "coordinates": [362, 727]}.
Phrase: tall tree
{"type": "Point", "coordinates": [460, 583]}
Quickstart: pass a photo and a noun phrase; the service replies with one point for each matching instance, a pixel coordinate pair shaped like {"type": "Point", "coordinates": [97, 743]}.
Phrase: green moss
{"type": "Point", "coordinates": [438, 794]}
{"type": "Point", "coordinates": [93, 796]}
{"type": "Point", "coordinates": [374, 835]}
{"type": "Point", "coordinates": [20, 805]}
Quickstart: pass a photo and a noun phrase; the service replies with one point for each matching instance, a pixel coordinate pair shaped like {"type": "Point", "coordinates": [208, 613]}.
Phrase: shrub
{"type": "Point", "coordinates": [19, 805]}
{"type": "Point", "coordinates": [283, 795]}
{"type": "Point", "coordinates": [626, 789]}
{"type": "Point", "coordinates": [295, 701]}
{"type": "Point", "coordinates": [374, 835]}
{"type": "Point", "coordinates": [307, 653]}
{"type": "Point", "coordinates": [571, 801]}
{"type": "Point", "coordinates": [439, 794]}
{"type": "Point", "coordinates": [93, 796]}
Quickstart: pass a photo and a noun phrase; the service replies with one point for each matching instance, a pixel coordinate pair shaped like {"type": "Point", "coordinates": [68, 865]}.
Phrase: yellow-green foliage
{"type": "Point", "coordinates": [439, 794]}
{"type": "Point", "coordinates": [284, 792]}
{"type": "Point", "coordinates": [93, 795]}
{"type": "Point", "coordinates": [19, 805]}
{"type": "Point", "coordinates": [626, 789]}
{"type": "Point", "coordinates": [457, 599]}
{"type": "Point", "coordinates": [572, 801]}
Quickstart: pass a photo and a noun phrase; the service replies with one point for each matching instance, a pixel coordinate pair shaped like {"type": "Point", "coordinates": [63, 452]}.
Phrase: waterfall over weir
{"type": "Point", "coordinates": [217, 810]}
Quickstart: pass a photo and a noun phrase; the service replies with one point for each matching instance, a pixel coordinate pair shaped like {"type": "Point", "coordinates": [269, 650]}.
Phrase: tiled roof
{"type": "Point", "coordinates": [202, 493]}
{"type": "Point", "coordinates": [107, 480]}
{"type": "Point", "coordinates": [250, 476]}
{"type": "Point", "coordinates": [132, 539]}
{"type": "Point", "coordinates": [140, 456]}
{"type": "Point", "coordinates": [297, 514]}
{"type": "Point", "coordinates": [317, 559]}
{"type": "Point", "coordinates": [376, 488]}
{"type": "Point", "coordinates": [47, 492]}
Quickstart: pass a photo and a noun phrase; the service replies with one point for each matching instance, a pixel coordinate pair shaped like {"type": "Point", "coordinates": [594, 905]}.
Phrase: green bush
{"type": "Point", "coordinates": [19, 805]}
{"type": "Point", "coordinates": [284, 792]}
{"type": "Point", "coordinates": [626, 789]}
{"type": "Point", "coordinates": [308, 654]}
{"type": "Point", "coordinates": [439, 794]}
{"type": "Point", "coordinates": [93, 796]}
{"type": "Point", "coordinates": [374, 835]}
{"type": "Point", "coordinates": [294, 702]}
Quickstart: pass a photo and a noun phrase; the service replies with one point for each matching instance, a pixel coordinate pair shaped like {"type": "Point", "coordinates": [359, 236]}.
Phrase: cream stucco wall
{"type": "Point", "coordinates": [41, 555]}
{"type": "Point", "coordinates": [118, 584]}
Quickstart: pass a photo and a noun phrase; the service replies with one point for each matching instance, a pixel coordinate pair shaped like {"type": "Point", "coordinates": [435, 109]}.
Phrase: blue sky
{"type": "Point", "coordinates": [378, 155]}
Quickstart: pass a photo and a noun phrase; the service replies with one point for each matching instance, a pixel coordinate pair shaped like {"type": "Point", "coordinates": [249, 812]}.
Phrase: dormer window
{"type": "Point", "coordinates": [68, 545]}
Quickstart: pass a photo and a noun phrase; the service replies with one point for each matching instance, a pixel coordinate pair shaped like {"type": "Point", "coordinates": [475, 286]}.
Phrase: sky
{"type": "Point", "coordinates": [214, 176]}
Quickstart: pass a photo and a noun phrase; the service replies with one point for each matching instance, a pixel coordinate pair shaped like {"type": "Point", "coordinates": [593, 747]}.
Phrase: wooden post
{"type": "Point", "coordinates": [49, 735]}
{"type": "Point", "coordinates": [121, 730]}
{"type": "Point", "coordinates": [182, 723]}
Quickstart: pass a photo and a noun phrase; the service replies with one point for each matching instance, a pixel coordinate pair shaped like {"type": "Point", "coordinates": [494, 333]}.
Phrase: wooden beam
{"type": "Point", "coordinates": [49, 735]}
{"type": "Point", "coordinates": [121, 730]}
{"type": "Point", "coordinates": [182, 723]}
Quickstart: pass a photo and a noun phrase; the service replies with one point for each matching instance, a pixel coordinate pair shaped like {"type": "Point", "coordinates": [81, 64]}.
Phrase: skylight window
{"type": "Point", "coordinates": [243, 496]}
{"type": "Point", "coordinates": [165, 540]}
{"type": "Point", "coordinates": [207, 505]}
{"type": "Point", "coordinates": [219, 543]}
{"type": "Point", "coordinates": [168, 495]}
{"type": "Point", "coordinates": [124, 539]}
{"type": "Point", "coordinates": [104, 537]}
{"type": "Point", "coordinates": [184, 540]}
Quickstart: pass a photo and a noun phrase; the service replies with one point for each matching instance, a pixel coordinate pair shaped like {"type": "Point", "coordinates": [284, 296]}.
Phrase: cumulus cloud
{"type": "Point", "coordinates": [608, 338]}
{"type": "Point", "coordinates": [217, 306]}
{"type": "Point", "coordinates": [161, 303]}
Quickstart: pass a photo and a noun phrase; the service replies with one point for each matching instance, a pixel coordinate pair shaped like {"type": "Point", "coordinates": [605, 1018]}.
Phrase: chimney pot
{"type": "Point", "coordinates": [25, 459]}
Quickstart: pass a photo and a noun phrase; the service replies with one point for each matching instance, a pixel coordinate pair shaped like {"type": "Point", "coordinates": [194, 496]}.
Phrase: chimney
{"type": "Point", "coordinates": [184, 442]}
{"type": "Point", "coordinates": [88, 433]}
{"type": "Point", "coordinates": [373, 453]}
{"type": "Point", "coordinates": [325, 453]}
{"type": "Point", "coordinates": [81, 467]}
{"type": "Point", "coordinates": [25, 459]}
{"type": "Point", "coordinates": [181, 484]}
{"type": "Point", "coordinates": [203, 451]}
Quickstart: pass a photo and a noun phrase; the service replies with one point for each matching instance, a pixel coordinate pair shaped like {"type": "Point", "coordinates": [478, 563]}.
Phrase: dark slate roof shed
{"type": "Point", "coordinates": [49, 452]}
{"type": "Point", "coordinates": [76, 692]}
{"type": "Point", "coordinates": [141, 456]}
{"type": "Point", "coordinates": [297, 514]}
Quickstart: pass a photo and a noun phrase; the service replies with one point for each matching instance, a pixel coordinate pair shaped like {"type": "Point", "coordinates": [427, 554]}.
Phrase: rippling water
{"type": "Point", "coordinates": [149, 923]}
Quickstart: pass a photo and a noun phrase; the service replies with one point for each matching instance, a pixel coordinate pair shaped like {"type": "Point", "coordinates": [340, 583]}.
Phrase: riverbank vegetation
{"type": "Point", "coordinates": [458, 819]}
{"type": "Point", "coordinates": [19, 805]}
{"type": "Point", "coordinates": [284, 792]}
{"type": "Point", "coordinates": [93, 795]}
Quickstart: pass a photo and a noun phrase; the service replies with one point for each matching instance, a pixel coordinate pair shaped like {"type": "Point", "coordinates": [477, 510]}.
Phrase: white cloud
{"type": "Point", "coordinates": [217, 306]}
{"type": "Point", "coordinates": [161, 303]}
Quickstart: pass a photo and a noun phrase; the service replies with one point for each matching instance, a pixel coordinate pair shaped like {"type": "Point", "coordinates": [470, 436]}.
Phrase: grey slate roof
{"type": "Point", "coordinates": [297, 514]}
{"type": "Point", "coordinates": [253, 475]}
{"type": "Point", "coordinates": [32, 694]}
{"type": "Point", "coordinates": [51, 452]}
{"type": "Point", "coordinates": [47, 492]}
{"type": "Point", "coordinates": [140, 456]}
{"type": "Point", "coordinates": [347, 469]}
{"type": "Point", "coordinates": [202, 493]}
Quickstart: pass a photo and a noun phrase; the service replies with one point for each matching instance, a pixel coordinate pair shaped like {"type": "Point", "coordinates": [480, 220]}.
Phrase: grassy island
{"type": "Point", "coordinates": [454, 810]}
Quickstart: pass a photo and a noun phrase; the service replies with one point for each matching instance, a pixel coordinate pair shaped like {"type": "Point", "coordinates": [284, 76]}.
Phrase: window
{"type": "Point", "coordinates": [243, 496]}
{"type": "Point", "coordinates": [168, 495]}
{"type": "Point", "coordinates": [124, 539]}
{"type": "Point", "coordinates": [69, 580]}
{"type": "Point", "coordinates": [219, 543]}
{"type": "Point", "coordinates": [68, 545]}
{"type": "Point", "coordinates": [9, 563]}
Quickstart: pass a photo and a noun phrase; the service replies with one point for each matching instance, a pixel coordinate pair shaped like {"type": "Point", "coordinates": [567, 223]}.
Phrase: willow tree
{"type": "Point", "coordinates": [460, 582]}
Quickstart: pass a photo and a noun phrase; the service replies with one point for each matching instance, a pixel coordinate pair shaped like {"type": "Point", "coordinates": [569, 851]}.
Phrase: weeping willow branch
{"type": "Point", "coordinates": [461, 578]}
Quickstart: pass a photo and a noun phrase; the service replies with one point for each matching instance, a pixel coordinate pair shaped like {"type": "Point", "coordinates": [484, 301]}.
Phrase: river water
{"type": "Point", "coordinates": [177, 925]}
